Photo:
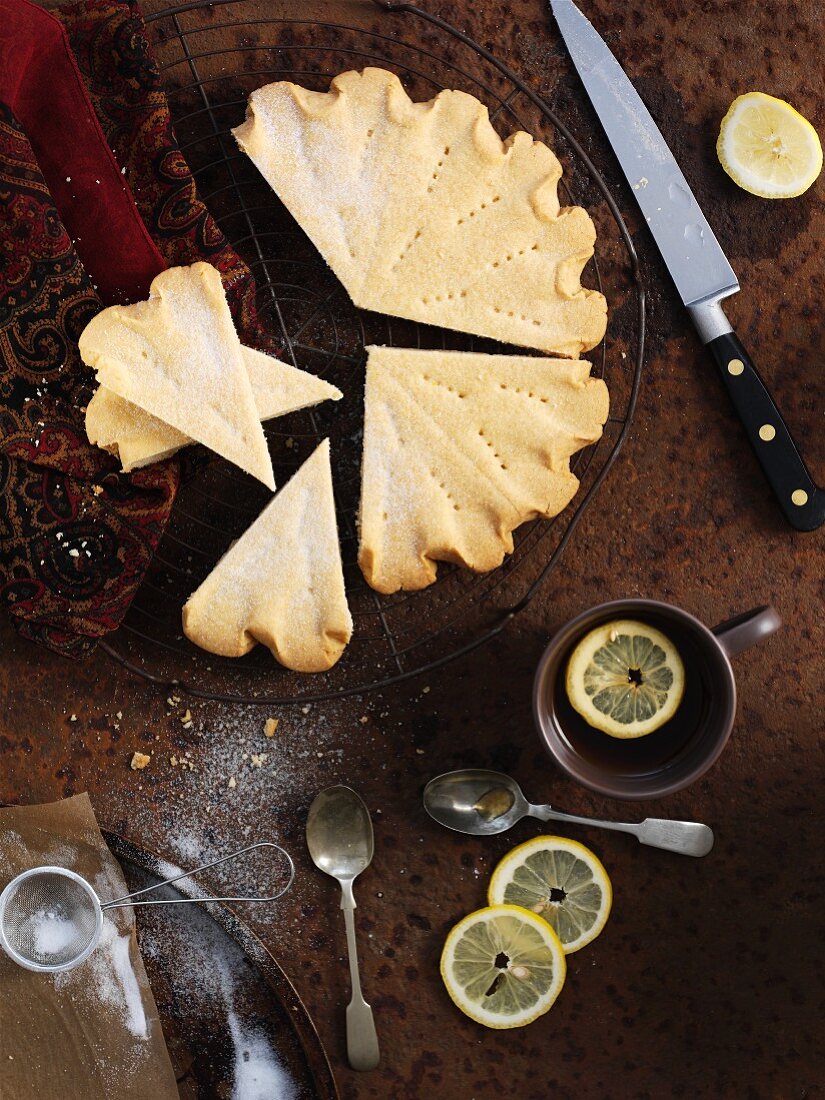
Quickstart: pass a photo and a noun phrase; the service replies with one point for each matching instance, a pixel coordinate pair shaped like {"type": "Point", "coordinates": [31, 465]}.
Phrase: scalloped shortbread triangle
{"type": "Point", "coordinates": [139, 438]}
{"type": "Point", "coordinates": [460, 448]}
{"type": "Point", "coordinates": [177, 356]}
{"type": "Point", "coordinates": [423, 212]}
{"type": "Point", "coordinates": [281, 583]}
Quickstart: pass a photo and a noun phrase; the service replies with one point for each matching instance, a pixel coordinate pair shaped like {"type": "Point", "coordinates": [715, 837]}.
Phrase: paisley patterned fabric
{"type": "Point", "coordinates": [107, 39]}
{"type": "Point", "coordinates": [76, 537]}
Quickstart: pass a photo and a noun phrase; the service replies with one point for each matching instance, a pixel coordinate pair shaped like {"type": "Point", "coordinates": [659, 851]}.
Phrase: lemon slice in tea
{"type": "Point", "coordinates": [625, 678]}
{"type": "Point", "coordinates": [503, 966]}
{"type": "Point", "coordinates": [559, 880]}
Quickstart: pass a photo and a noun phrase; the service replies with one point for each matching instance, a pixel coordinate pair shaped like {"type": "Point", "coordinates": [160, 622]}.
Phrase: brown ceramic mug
{"type": "Point", "coordinates": [687, 745]}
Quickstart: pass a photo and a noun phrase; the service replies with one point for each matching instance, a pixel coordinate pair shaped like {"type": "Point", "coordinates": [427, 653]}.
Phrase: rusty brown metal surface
{"type": "Point", "coordinates": [705, 981]}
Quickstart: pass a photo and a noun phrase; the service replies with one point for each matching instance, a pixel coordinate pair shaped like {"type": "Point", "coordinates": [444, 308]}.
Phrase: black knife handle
{"type": "Point", "coordinates": [802, 503]}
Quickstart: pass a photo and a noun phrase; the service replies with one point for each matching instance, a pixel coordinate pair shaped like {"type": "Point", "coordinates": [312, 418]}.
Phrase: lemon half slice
{"type": "Point", "coordinates": [768, 148]}
{"type": "Point", "coordinates": [625, 678]}
{"type": "Point", "coordinates": [503, 966]}
{"type": "Point", "coordinates": [561, 881]}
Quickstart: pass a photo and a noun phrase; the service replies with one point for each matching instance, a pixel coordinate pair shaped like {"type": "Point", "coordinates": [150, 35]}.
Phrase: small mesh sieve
{"type": "Point", "coordinates": [51, 919]}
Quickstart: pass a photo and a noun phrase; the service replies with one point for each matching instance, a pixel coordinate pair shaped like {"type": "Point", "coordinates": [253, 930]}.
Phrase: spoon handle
{"type": "Point", "coordinates": [362, 1040]}
{"type": "Point", "coordinates": [688, 838]}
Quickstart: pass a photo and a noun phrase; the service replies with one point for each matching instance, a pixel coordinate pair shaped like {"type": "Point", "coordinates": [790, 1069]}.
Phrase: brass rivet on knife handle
{"type": "Point", "coordinates": [799, 497]}
{"type": "Point", "coordinates": [735, 366]}
{"type": "Point", "coordinates": [767, 432]}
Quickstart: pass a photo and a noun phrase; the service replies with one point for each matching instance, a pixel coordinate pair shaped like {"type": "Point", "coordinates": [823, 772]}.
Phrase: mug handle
{"type": "Point", "coordinates": [747, 629]}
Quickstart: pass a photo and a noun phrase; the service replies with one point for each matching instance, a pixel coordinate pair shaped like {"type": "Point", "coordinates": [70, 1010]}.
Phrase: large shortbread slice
{"type": "Point", "coordinates": [139, 438]}
{"type": "Point", "coordinates": [178, 356]}
{"type": "Point", "coordinates": [460, 448]}
{"type": "Point", "coordinates": [423, 212]}
{"type": "Point", "coordinates": [281, 583]}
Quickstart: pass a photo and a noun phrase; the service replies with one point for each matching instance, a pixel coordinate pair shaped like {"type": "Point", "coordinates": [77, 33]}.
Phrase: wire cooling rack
{"type": "Point", "coordinates": [211, 56]}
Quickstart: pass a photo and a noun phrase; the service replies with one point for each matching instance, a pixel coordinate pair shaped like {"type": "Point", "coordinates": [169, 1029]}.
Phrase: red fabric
{"type": "Point", "coordinates": [41, 84]}
{"type": "Point", "coordinates": [75, 537]}
{"type": "Point", "coordinates": [109, 45]}
{"type": "Point", "coordinates": [80, 97]}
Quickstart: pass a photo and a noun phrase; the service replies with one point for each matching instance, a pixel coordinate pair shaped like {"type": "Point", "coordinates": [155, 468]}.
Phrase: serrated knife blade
{"type": "Point", "coordinates": [694, 258]}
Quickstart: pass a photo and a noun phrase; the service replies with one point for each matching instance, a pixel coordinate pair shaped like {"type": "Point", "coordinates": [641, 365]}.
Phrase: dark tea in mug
{"type": "Point", "coordinates": [654, 751]}
{"type": "Point", "coordinates": [685, 746]}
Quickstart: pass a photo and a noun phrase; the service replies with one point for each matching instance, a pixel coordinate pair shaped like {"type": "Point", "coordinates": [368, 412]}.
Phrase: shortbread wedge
{"type": "Point", "coordinates": [138, 438]}
{"type": "Point", "coordinates": [281, 583]}
{"type": "Point", "coordinates": [178, 357]}
{"type": "Point", "coordinates": [460, 448]}
{"type": "Point", "coordinates": [423, 212]}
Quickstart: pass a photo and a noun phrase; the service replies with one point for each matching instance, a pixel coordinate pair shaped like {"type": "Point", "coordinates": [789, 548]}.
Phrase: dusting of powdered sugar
{"type": "Point", "coordinates": [301, 150]}
{"type": "Point", "coordinates": [229, 785]}
{"type": "Point", "coordinates": [258, 1075]}
{"type": "Point", "coordinates": [116, 980]}
{"type": "Point", "coordinates": [13, 846]}
{"type": "Point", "coordinates": [51, 932]}
{"type": "Point", "coordinates": [109, 977]}
{"type": "Point", "coordinates": [189, 848]}
{"type": "Point", "coordinates": [208, 972]}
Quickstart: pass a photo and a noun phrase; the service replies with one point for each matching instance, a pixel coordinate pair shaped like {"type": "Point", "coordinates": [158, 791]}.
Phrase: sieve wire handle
{"type": "Point", "coordinates": [127, 898]}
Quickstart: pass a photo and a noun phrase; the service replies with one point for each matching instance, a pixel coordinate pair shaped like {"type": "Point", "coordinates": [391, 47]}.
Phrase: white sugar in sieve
{"type": "Point", "coordinates": [51, 919]}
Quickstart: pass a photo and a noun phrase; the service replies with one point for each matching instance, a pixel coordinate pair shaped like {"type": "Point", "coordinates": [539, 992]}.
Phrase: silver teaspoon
{"type": "Point", "coordinates": [339, 837]}
{"type": "Point", "coordinates": [484, 802]}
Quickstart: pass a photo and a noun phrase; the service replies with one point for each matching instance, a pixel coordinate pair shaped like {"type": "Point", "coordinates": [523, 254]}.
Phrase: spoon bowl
{"type": "Point", "coordinates": [475, 801]}
{"type": "Point", "coordinates": [339, 833]}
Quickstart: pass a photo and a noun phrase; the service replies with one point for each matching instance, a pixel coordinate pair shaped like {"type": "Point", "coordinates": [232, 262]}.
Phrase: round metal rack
{"type": "Point", "coordinates": [211, 56]}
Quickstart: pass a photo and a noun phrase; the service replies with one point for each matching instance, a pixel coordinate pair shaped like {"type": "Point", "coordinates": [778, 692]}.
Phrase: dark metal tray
{"type": "Point", "coordinates": [234, 1025]}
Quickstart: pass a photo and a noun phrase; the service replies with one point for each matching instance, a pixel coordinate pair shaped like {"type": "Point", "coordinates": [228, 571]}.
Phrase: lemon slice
{"type": "Point", "coordinates": [768, 148]}
{"type": "Point", "coordinates": [561, 881]}
{"type": "Point", "coordinates": [503, 966]}
{"type": "Point", "coordinates": [625, 678]}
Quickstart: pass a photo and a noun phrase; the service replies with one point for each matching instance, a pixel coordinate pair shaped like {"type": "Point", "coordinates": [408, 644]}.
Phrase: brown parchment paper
{"type": "Point", "coordinates": [77, 1035]}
